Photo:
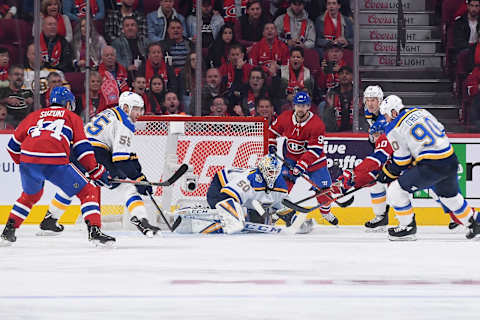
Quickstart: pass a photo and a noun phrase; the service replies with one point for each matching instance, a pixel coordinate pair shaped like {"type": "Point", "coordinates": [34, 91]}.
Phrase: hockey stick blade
{"type": "Point", "coordinates": [176, 175]}
{"type": "Point", "coordinates": [161, 212]}
{"type": "Point", "coordinates": [176, 223]}
{"type": "Point", "coordinates": [345, 203]}
{"type": "Point", "coordinates": [294, 206]}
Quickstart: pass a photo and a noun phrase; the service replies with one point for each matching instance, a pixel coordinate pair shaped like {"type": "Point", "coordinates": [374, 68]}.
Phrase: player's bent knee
{"type": "Point", "coordinates": [396, 196]}
{"type": "Point", "coordinates": [453, 203]}
{"type": "Point", "coordinates": [89, 193]}
{"type": "Point", "coordinates": [30, 199]}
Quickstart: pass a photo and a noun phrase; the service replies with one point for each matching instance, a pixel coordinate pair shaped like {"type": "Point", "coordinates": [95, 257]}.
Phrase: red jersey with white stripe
{"type": "Point", "coordinates": [304, 141]}
{"type": "Point", "coordinates": [368, 169]}
{"type": "Point", "coordinates": [47, 136]}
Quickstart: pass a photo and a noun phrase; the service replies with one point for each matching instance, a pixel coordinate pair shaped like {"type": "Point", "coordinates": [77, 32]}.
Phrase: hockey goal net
{"type": "Point", "coordinates": [206, 144]}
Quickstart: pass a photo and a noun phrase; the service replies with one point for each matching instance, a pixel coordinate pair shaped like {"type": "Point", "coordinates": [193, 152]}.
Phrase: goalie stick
{"type": "Point", "coordinates": [176, 175]}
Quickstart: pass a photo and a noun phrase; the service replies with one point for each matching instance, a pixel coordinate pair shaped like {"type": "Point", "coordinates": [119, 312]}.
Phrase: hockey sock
{"type": "Point", "coordinates": [404, 214]}
{"type": "Point", "coordinates": [90, 206]}
{"type": "Point", "coordinates": [379, 203]}
{"type": "Point", "coordinates": [459, 207]}
{"type": "Point", "coordinates": [59, 204]}
{"type": "Point", "coordinates": [136, 207]}
{"type": "Point", "coordinates": [324, 210]}
{"type": "Point", "coordinates": [22, 207]}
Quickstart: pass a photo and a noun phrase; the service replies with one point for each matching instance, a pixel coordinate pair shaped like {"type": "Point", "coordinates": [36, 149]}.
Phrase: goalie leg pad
{"type": "Point", "coordinates": [232, 215]}
{"type": "Point", "coordinates": [459, 207]}
{"type": "Point", "coordinates": [399, 199]}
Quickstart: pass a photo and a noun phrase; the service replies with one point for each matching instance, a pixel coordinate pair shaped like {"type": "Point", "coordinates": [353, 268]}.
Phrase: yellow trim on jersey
{"type": "Point", "coordinates": [229, 208]}
{"type": "Point", "coordinates": [59, 205]}
{"type": "Point", "coordinates": [213, 228]}
{"type": "Point", "coordinates": [99, 144]}
{"type": "Point", "coordinates": [280, 190]}
{"type": "Point", "coordinates": [464, 214]}
{"type": "Point", "coordinates": [120, 158]}
{"type": "Point", "coordinates": [435, 156]}
{"type": "Point", "coordinates": [404, 116]}
{"type": "Point", "coordinates": [259, 189]}
{"type": "Point", "coordinates": [388, 173]}
{"type": "Point", "coordinates": [135, 204]}
{"type": "Point", "coordinates": [231, 194]}
{"type": "Point", "coordinates": [403, 213]}
{"type": "Point", "coordinates": [119, 117]}
{"type": "Point", "coordinates": [379, 200]}
{"type": "Point", "coordinates": [403, 163]}
{"type": "Point", "coordinates": [222, 178]}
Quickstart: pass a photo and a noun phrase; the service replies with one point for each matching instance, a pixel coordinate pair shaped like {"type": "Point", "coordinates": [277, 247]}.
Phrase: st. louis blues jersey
{"type": "Point", "coordinates": [247, 185]}
{"type": "Point", "coordinates": [416, 135]}
{"type": "Point", "coordinates": [112, 130]}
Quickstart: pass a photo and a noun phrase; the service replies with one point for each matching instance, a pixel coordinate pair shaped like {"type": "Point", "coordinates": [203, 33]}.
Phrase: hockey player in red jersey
{"type": "Point", "coordinates": [41, 146]}
{"type": "Point", "coordinates": [303, 148]}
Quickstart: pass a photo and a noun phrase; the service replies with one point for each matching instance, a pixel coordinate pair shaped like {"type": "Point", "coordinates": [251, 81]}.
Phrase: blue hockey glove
{"type": "Point", "coordinates": [145, 190]}
{"type": "Point", "coordinates": [100, 176]}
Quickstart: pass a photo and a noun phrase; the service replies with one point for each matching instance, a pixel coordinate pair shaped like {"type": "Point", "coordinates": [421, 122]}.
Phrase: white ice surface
{"type": "Point", "coordinates": [333, 273]}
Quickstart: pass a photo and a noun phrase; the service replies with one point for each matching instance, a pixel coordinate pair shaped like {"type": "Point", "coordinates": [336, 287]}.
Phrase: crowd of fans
{"type": "Point", "coordinates": [253, 62]}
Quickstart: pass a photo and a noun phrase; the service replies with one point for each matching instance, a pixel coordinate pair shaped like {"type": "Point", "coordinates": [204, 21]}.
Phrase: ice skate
{"type": "Point", "coordinates": [50, 226]}
{"type": "Point", "coordinates": [98, 238]}
{"type": "Point", "coordinates": [473, 228]}
{"type": "Point", "coordinates": [144, 226]}
{"type": "Point", "coordinates": [8, 235]}
{"type": "Point", "coordinates": [306, 227]}
{"type": "Point", "coordinates": [330, 218]}
{"type": "Point", "coordinates": [377, 224]}
{"type": "Point", "coordinates": [404, 233]}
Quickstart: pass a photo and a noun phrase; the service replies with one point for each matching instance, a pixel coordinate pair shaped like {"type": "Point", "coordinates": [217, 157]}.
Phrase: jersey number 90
{"type": "Point", "coordinates": [420, 132]}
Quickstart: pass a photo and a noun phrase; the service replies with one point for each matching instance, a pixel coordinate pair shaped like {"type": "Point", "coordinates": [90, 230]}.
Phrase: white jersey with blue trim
{"type": "Point", "coordinates": [247, 185]}
{"type": "Point", "coordinates": [112, 130]}
{"type": "Point", "coordinates": [416, 135]}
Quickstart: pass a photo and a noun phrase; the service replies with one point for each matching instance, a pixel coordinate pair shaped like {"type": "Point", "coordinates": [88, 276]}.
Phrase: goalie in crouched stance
{"type": "Point", "coordinates": [240, 200]}
{"type": "Point", "coordinates": [111, 134]}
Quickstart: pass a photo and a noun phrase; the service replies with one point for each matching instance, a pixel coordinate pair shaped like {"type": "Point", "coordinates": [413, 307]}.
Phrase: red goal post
{"type": "Point", "coordinates": [206, 144]}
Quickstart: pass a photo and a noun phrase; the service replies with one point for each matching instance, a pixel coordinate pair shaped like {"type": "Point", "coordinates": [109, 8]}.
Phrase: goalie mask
{"type": "Point", "coordinates": [270, 169]}
{"type": "Point", "coordinates": [134, 103]}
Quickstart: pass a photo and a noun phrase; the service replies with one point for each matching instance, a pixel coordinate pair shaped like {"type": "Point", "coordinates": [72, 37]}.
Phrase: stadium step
{"type": "Point", "coordinates": [414, 33]}
{"type": "Point", "coordinates": [424, 99]}
{"type": "Point", "coordinates": [392, 5]}
{"type": "Point", "coordinates": [390, 46]}
{"type": "Point", "coordinates": [409, 85]}
{"type": "Point", "coordinates": [414, 60]}
{"type": "Point", "coordinates": [389, 18]}
{"type": "Point", "coordinates": [401, 72]}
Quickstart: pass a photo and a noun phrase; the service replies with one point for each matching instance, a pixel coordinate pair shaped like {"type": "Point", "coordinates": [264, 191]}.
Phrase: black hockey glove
{"type": "Point", "coordinates": [145, 190]}
{"type": "Point", "coordinates": [385, 176]}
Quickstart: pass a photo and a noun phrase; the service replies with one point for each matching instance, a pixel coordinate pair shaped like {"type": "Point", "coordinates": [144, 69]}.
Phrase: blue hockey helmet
{"type": "Point", "coordinates": [302, 98]}
{"type": "Point", "coordinates": [378, 126]}
{"type": "Point", "coordinates": [60, 96]}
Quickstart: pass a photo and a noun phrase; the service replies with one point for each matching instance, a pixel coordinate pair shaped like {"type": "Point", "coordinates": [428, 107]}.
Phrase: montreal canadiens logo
{"type": "Point", "coordinates": [295, 147]}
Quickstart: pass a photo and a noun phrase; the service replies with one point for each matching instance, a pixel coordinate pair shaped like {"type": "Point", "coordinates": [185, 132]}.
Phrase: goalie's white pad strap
{"type": "Point", "coordinates": [231, 214]}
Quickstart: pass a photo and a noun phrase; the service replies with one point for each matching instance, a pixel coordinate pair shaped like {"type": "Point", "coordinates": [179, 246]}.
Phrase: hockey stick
{"type": "Point", "coordinates": [176, 175]}
{"type": "Point", "coordinates": [176, 223]}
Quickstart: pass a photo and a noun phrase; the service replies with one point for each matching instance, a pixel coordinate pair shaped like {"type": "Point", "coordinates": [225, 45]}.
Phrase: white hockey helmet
{"type": "Point", "coordinates": [392, 102]}
{"type": "Point", "coordinates": [131, 99]}
{"type": "Point", "coordinates": [270, 168]}
{"type": "Point", "coordinates": [373, 92]}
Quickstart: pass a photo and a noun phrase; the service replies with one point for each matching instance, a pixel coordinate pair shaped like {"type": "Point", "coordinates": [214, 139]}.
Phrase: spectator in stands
{"type": "Point", "coordinates": [8, 10]}
{"type": "Point", "coordinates": [55, 51]}
{"type": "Point", "coordinates": [187, 7]}
{"type": "Point", "coordinates": [97, 100]}
{"type": "Point", "coordinates": [77, 9]}
{"type": "Point", "coordinates": [29, 72]}
{"type": "Point", "coordinates": [139, 86]}
{"type": "Point", "coordinates": [19, 102]}
{"type": "Point", "coordinates": [265, 109]}
{"type": "Point", "coordinates": [114, 20]}
{"type": "Point", "coordinates": [212, 22]}
{"type": "Point", "coordinates": [53, 80]}
{"type": "Point", "coordinates": [176, 48]}
{"type": "Point", "coordinates": [236, 71]}
{"type": "Point", "coordinates": [186, 83]}
{"type": "Point", "coordinates": [4, 123]}
{"type": "Point", "coordinates": [338, 112]}
{"type": "Point", "coordinates": [212, 88]}
{"type": "Point", "coordinates": [467, 27]}
{"type": "Point", "coordinates": [97, 42]}
{"type": "Point", "coordinates": [155, 65]}
{"type": "Point", "coordinates": [171, 104]}
{"type": "Point", "coordinates": [334, 27]}
{"type": "Point", "coordinates": [131, 46]}
{"type": "Point", "coordinates": [157, 21]}
{"type": "Point", "coordinates": [110, 69]}
{"type": "Point", "coordinates": [155, 96]}
{"type": "Point", "coordinates": [248, 26]}
{"type": "Point", "coordinates": [269, 52]}
{"type": "Point", "coordinates": [219, 107]}
{"type": "Point", "coordinates": [292, 78]}
{"type": "Point", "coordinates": [218, 51]}
{"type": "Point", "coordinates": [4, 65]}
{"type": "Point", "coordinates": [331, 64]}
{"type": "Point", "coordinates": [256, 89]}
{"type": "Point", "coordinates": [294, 27]}
{"type": "Point", "coordinates": [53, 8]}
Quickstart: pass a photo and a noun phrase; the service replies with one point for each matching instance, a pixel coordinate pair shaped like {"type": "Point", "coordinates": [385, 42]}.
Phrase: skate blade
{"type": "Point", "coordinates": [5, 243]}
{"type": "Point", "coordinates": [406, 238]}
{"type": "Point", "coordinates": [149, 234]}
{"type": "Point", "coordinates": [106, 245]}
{"type": "Point", "coordinates": [376, 230]}
{"type": "Point", "coordinates": [47, 233]}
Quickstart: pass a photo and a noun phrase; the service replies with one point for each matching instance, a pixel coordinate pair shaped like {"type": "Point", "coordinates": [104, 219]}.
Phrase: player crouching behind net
{"type": "Point", "coordinates": [234, 196]}
{"type": "Point", "coordinates": [111, 134]}
{"type": "Point", "coordinates": [41, 145]}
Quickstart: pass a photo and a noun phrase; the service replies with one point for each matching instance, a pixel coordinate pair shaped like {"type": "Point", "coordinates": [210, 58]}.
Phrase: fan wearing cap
{"type": "Point", "coordinates": [303, 147]}
{"type": "Point", "coordinates": [294, 27]}
{"type": "Point", "coordinates": [331, 64]}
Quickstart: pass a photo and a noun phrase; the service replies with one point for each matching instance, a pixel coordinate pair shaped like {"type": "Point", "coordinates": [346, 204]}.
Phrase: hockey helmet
{"type": "Point", "coordinates": [373, 92]}
{"type": "Point", "coordinates": [60, 96]}
{"type": "Point", "coordinates": [390, 103]}
{"type": "Point", "coordinates": [302, 98]}
{"type": "Point", "coordinates": [270, 169]}
{"type": "Point", "coordinates": [131, 99]}
{"type": "Point", "coordinates": [378, 126]}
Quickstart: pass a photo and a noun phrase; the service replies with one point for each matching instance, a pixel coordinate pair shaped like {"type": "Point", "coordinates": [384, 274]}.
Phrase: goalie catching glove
{"type": "Point", "coordinates": [100, 176]}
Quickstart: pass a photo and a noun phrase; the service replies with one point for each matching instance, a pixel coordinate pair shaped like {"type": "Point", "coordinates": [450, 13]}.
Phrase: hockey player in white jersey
{"type": "Point", "coordinates": [422, 157]}
{"type": "Point", "coordinates": [111, 134]}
